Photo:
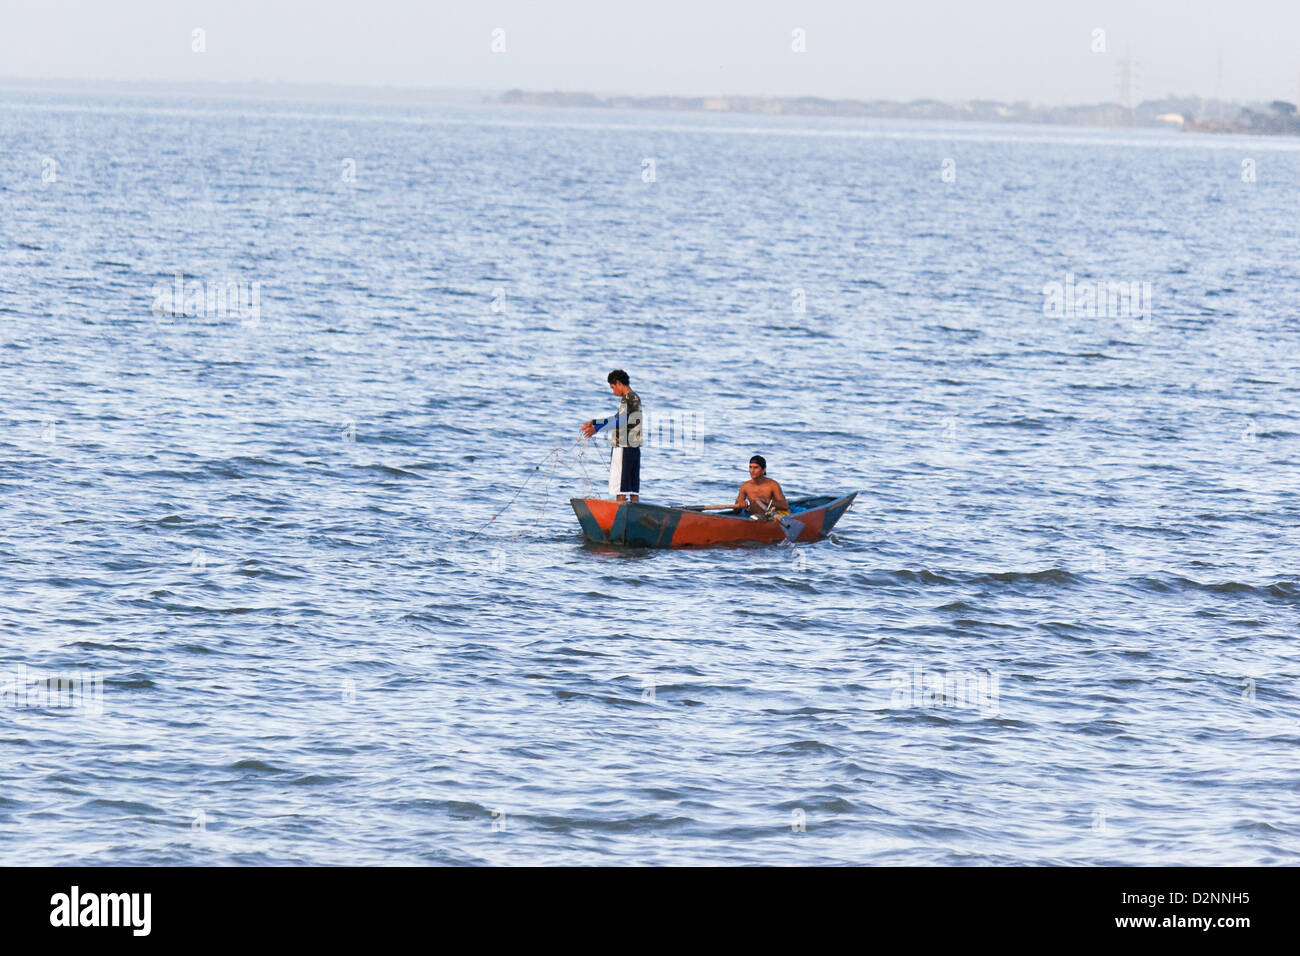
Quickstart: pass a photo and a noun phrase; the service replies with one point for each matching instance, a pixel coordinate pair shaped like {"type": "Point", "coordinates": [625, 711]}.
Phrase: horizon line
{"type": "Point", "coordinates": [88, 84]}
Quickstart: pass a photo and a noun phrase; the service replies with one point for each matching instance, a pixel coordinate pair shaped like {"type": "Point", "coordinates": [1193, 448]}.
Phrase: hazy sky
{"type": "Point", "coordinates": [1037, 50]}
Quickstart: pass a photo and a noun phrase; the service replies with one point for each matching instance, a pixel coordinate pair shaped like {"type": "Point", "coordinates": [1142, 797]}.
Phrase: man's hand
{"type": "Point", "coordinates": [589, 429]}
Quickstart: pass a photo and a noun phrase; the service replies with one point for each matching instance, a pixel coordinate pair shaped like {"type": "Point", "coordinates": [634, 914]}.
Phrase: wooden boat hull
{"type": "Point", "coordinates": [642, 525]}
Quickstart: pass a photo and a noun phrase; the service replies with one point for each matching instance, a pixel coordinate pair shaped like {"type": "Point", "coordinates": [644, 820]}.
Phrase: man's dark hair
{"type": "Point", "coordinates": [618, 375]}
{"type": "Point", "coordinates": [760, 461]}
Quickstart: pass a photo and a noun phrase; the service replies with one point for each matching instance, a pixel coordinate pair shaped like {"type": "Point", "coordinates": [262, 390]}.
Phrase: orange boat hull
{"type": "Point", "coordinates": [638, 524]}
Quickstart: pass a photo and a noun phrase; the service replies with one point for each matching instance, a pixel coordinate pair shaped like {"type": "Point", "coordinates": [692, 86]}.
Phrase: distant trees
{"type": "Point", "coordinates": [1282, 119]}
{"type": "Point", "coordinates": [1277, 117]}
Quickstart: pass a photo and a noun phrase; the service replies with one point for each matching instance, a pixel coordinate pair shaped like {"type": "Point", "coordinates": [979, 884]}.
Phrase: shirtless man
{"type": "Point", "coordinates": [761, 494]}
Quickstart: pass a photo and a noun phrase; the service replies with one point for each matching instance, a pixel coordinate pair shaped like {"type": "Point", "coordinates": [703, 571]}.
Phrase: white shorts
{"type": "Point", "coordinates": [625, 471]}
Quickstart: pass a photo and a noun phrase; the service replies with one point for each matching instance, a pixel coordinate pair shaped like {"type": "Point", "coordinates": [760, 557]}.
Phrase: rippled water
{"type": "Point", "coordinates": [1058, 626]}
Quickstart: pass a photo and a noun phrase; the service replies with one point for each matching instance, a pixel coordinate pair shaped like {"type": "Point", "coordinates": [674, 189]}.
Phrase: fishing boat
{"type": "Point", "coordinates": [643, 525]}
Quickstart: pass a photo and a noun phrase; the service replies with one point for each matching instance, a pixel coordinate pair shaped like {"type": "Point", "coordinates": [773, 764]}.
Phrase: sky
{"type": "Point", "coordinates": [1035, 50]}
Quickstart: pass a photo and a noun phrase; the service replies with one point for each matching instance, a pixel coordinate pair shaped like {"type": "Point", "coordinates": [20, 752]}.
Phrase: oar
{"type": "Point", "coordinates": [709, 507]}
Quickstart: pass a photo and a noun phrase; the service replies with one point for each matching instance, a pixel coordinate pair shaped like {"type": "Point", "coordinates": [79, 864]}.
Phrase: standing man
{"type": "Point", "coordinates": [625, 463]}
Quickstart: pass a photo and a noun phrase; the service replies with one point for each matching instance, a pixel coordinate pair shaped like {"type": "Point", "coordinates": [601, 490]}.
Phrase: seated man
{"type": "Point", "coordinates": [761, 495]}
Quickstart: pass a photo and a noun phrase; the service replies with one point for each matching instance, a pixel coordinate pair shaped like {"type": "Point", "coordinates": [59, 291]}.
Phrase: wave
{"type": "Point", "coordinates": [1287, 592]}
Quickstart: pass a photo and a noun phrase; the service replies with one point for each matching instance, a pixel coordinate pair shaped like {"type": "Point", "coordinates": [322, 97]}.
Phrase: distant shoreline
{"type": "Point", "coordinates": [1191, 114]}
{"type": "Point", "coordinates": [1278, 118]}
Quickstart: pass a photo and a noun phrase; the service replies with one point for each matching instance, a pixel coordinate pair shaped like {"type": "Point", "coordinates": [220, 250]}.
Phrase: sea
{"type": "Point", "coordinates": [290, 424]}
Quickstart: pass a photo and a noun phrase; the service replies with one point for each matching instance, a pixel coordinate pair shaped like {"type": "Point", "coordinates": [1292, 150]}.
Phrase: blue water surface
{"type": "Point", "coordinates": [1058, 627]}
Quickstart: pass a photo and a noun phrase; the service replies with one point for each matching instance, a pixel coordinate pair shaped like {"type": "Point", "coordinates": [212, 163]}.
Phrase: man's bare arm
{"type": "Point", "coordinates": [779, 498]}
